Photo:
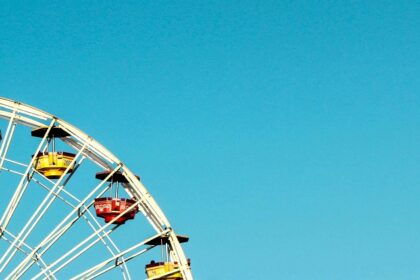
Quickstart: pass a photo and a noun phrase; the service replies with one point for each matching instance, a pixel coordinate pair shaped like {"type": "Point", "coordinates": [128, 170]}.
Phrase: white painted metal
{"type": "Point", "coordinates": [7, 139]}
{"type": "Point", "coordinates": [83, 243]}
{"type": "Point", "coordinates": [20, 114]}
{"type": "Point", "coordinates": [37, 215]}
{"type": "Point", "coordinates": [92, 270]}
{"type": "Point", "coordinates": [61, 228]}
{"type": "Point", "coordinates": [41, 262]}
{"type": "Point", "coordinates": [20, 189]}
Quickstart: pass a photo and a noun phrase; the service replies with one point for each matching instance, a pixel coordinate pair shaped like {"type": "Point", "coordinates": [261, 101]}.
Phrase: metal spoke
{"type": "Point", "coordinates": [21, 188]}
{"type": "Point", "coordinates": [85, 241]}
{"type": "Point", "coordinates": [47, 258]}
{"type": "Point", "coordinates": [62, 227]}
{"type": "Point", "coordinates": [89, 272]}
{"type": "Point", "coordinates": [7, 138]}
{"type": "Point", "coordinates": [37, 259]}
{"type": "Point", "coordinates": [38, 214]}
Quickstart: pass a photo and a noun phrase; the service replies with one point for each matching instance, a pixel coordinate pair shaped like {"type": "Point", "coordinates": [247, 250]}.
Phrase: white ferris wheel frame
{"type": "Point", "coordinates": [86, 147]}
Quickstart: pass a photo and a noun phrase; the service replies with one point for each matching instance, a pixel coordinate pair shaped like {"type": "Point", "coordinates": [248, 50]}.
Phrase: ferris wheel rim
{"type": "Point", "coordinates": [23, 114]}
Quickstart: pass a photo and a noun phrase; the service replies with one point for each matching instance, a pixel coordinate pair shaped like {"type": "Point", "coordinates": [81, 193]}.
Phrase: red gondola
{"type": "Point", "coordinates": [110, 208]}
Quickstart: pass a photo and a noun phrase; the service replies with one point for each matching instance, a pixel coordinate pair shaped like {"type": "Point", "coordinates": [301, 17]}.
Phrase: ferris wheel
{"type": "Point", "coordinates": [69, 209]}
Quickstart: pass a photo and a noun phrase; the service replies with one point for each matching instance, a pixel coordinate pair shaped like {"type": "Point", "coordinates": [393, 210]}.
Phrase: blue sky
{"type": "Point", "coordinates": [282, 136]}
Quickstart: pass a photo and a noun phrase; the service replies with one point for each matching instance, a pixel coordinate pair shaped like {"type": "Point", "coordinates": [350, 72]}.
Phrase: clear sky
{"type": "Point", "coordinates": [282, 136]}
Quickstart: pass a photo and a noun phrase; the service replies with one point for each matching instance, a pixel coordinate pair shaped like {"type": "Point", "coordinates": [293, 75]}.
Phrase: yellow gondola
{"type": "Point", "coordinates": [166, 270]}
{"type": "Point", "coordinates": [163, 269]}
{"type": "Point", "coordinates": [52, 164]}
